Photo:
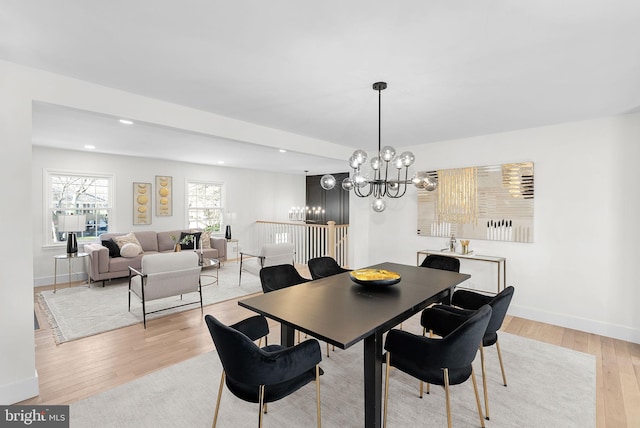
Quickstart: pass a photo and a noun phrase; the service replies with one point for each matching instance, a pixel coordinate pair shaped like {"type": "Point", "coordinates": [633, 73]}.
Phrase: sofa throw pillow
{"type": "Point", "coordinates": [130, 250]}
{"type": "Point", "coordinates": [114, 250]}
{"type": "Point", "coordinates": [190, 245]}
{"type": "Point", "coordinates": [205, 238]}
{"type": "Point", "coordinates": [129, 238]}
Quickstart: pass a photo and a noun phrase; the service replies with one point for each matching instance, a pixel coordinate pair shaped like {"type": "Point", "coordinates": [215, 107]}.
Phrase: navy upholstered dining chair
{"type": "Point", "coordinates": [322, 267]}
{"type": "Point", "coordinates": [442, 361]}
{"type": "Point", "coordinates": [262, 375]}
{"type": "Point", "coordinates": [441, 319]}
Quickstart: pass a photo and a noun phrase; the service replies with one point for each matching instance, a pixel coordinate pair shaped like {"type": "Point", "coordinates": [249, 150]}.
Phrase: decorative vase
{"type": "Point", "coordinates": [178, 248]}
{"type": "Point", "coordinates": [227, 232]}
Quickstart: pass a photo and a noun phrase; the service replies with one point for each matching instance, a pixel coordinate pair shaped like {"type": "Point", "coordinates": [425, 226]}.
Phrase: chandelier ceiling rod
{"type": "Point", "coordinates": [379, 86]}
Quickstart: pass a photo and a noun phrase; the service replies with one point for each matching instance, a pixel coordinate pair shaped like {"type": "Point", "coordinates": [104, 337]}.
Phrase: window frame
{"type": "Point", "coordinates": [49, 173]}
{"type": "Point", "coordinates": [220, 184]}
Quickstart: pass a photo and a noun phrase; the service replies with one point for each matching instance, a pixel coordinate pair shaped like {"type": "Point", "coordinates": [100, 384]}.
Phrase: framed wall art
{"type": "Point", "coordinates": [141, 203]}
{"type": "Point", "coordinates": [492, 202]}
{"type": "Point", "coordinates": [164, 196]}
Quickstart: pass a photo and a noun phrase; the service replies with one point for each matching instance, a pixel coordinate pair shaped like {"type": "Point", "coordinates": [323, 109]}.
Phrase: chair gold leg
{"type": "Point", "coordinates": [264, 409]}
{"type": "Point", "coordinates": [386, 390]}
{"type": "Point", "coordinates": [446, 393]}
{"type": "Point", "coordinates": [424, 332]}
{"type": "Point", "coordinates": [328, 351]}
{"type": "Point", "coordinates": [261, 404]}
{"type": "Point", "coordinates": [421, 388]}
{"type": "Point", "coordinates": [504, 378]}
{"type": "Point", "coordinates": [484, 383]}
{"type": "Point", "coordinates": [215, 415]}
{"type": "Point", "coordinates": [475, 389]}
{"type": "Point", "coordinates": [318, 395]}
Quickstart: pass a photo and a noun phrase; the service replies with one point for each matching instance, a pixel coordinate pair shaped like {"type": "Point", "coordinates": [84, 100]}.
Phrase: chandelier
{"type": "Point", "coordinates": [382, 181]}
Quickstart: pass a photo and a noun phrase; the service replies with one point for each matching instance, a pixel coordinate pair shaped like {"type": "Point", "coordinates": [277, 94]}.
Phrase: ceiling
{"type": "Point", "coordinates": [455, 69]}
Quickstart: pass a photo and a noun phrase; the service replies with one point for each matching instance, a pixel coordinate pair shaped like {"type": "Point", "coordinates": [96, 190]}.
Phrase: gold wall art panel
{"type": "Point", "coordinates": [484, 202]}
{"type": "Point", "coordinates": [142, 203]}
{"type": "Point", "coordinates": [164, 196]}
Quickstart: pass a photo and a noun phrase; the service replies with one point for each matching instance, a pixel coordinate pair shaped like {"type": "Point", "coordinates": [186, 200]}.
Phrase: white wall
{"type": "Point", "coordinates": [18, 377]}
{"type": "Point", "coordinates": [581, 270]}
{"type": "Point", "coordinates": [271, 195]}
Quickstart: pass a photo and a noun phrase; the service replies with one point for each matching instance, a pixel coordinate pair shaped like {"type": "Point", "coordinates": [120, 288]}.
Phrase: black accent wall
{"type": "Point", "coordinates": [335, 201]}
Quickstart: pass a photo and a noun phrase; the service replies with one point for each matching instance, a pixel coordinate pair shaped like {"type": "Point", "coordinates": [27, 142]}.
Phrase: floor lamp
{"type": "Point", "coordinates": [72, 224]}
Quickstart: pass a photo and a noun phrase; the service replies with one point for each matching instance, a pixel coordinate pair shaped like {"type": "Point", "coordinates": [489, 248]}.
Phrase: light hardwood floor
{"type": "Point", "coordinates": [74, 370]}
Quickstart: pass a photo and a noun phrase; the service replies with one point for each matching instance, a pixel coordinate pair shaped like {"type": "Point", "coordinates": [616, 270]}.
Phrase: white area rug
{"type": "Point", "coordinates": [82, 311]}
{"type": "Point", "coordinates": [549, 386]}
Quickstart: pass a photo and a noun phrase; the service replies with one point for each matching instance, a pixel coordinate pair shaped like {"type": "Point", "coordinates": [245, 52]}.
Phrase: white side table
{"type": "Point", "coordinates": [69, 258]}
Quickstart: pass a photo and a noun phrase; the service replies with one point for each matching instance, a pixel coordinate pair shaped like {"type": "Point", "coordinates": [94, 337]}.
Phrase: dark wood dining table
{"type": "Point", "coordinates": [342, 313]}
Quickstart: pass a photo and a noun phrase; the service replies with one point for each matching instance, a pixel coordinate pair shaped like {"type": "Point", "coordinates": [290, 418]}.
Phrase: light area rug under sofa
{"type": "Point", "coordinates": [549, 386]}
{"type": "Point", "coordinates": [82, 311]}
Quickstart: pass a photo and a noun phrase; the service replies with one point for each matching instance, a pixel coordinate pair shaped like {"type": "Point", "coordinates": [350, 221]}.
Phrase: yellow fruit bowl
{"type": "Point", "coordinates": [374, 277]}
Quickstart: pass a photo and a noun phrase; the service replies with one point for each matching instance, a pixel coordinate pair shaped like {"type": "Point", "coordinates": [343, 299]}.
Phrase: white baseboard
{"type": "Point", "coordinates": [15, 392]}
{"type": "Point", "coordinates": [582, 324]}
{"type": "Point", "coordinates": [63, 280]}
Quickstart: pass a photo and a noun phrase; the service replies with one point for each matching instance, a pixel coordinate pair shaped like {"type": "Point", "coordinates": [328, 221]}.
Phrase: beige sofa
{"type": "Point", "coordinates": [104, 267]}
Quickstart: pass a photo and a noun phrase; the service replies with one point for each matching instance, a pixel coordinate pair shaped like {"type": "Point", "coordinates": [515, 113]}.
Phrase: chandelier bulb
{"type": "Point", "coordinates": [430, 184]}
{"type": "Point", "coordinates": [378, 205]}
{"type": "Point", "coordinates": [360, 179]}
{"type": "Point", "coordinates": [375, 163]}
{"type": "Point", "coordinates": [347, 184]}
{"type": "Point", "coordinates": [387, 153]}
{"type": "Point", "coordinates": [398, 163]}
{"type": "Point", "coordinates": [408, 158]}
{"type": "Point", "coordinates": [353, 162]}
{"type": "Point", "coordinates": [360, 156]}
{"type": "Point", "coordinates": [327, 182]}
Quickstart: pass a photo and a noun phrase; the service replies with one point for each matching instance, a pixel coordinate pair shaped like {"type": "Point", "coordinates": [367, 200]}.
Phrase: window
{"type": "Point", "coordinates": [204, 202]}
{"type": "Point", "coordinates": [78, 194]}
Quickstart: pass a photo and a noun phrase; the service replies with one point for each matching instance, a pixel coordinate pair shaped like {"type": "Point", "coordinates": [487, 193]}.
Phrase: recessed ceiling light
{"type": "Point", "coordinates": [126, 122]}
{"type": "Point", "coordinates": [283, 151]}
{"type": "Point", "coordinates": [89, 147]}
{"type": "Point", "coordinates": [220, 162]}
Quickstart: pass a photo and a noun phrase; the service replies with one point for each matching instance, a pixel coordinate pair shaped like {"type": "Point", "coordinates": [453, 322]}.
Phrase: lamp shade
{"type": "Point", "coordinates": [72, 223]}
